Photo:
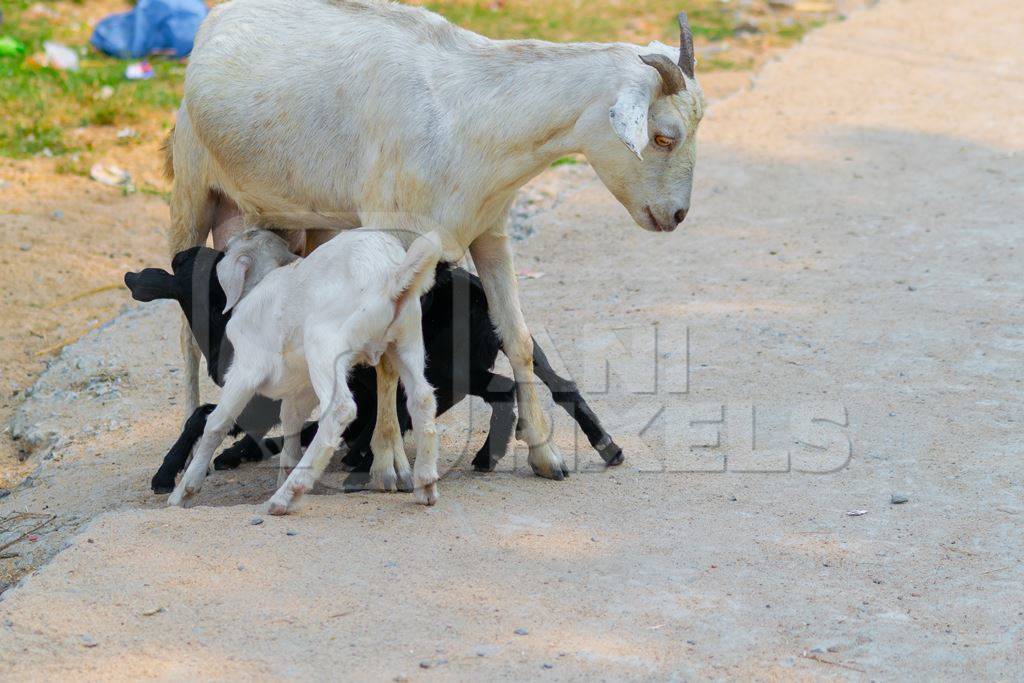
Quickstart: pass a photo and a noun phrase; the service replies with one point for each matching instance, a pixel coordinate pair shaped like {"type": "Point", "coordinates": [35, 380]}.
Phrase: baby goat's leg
{"type": "Point", "coordinates": [328, 373]}
{"type": "Point", "coordinates": [174, 461]}
{"type": "Point", "coordinates": [422, 409]}
{"type": "Point", "coordinates": [500, 394]}
{"type": "Point", "coordinates": [294, 412]}
{"type": "Point", "coordinates": [565, 394]}
{"type": "Point", "coordinates": [237, 393]}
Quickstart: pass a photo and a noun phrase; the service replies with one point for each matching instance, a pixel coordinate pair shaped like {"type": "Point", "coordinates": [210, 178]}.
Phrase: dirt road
{"type": "Point", "coordinates": [851, 278]}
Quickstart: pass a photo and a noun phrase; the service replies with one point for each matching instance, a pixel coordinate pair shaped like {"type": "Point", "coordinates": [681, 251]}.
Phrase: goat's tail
{"type": "Point", "coordinates": [416, 274]}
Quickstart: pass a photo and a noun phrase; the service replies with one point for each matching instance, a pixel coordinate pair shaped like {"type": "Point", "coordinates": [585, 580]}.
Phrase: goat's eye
{"type": "Point", "coordinates": [663, 141]}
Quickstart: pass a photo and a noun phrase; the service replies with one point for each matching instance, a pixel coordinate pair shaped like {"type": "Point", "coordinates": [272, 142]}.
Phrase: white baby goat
{"type": "Point", "coordinates": [300, 325]}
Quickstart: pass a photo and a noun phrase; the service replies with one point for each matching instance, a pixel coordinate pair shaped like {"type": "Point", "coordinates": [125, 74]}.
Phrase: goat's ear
{"type": "Point", "coordinates": [629, 119]}
{"type": "Point", "coordinates": [151, 284]}
{"type": "Point", "coordinates": [231, 273]}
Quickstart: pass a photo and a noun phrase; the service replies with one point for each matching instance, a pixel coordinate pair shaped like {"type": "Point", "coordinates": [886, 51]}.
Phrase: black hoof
{"type": "Point", "coordinates": [162, 486]}
{"type": "Point", "coordinates": [612, 454]}
{"type": "Point", "coordinates": [356, 482]}
{"type": "Point", "coordinates": [228, 460]}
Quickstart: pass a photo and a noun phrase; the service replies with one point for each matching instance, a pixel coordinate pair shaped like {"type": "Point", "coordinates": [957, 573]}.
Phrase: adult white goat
{"type": "Point", "coordinates": [331, 114]}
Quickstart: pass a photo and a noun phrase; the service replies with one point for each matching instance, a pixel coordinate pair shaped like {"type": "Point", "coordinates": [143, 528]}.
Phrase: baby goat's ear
{"type": "Point", "coordinates": [151, 284]}
{"type": "Point", "coordinates": [231, 272]}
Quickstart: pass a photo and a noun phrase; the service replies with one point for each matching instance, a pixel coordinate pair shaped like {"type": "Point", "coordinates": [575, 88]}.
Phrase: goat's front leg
{"type": "Point", "coordinates": [174, 461]}
{"type": "Point", "coordinates": [386, 444]}
{"type": "Point", "coordinates": [294, 412]}
{"type": "Point", "coordinates": [237, 393]}
{"type": "Point", "coordinates": [492, 255]}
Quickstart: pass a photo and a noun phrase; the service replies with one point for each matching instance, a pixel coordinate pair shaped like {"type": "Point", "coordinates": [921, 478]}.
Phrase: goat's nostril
{"type": "Point", "coordinates": [680, 216]}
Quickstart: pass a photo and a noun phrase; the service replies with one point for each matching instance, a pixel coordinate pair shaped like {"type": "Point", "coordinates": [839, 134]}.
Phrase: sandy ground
{"type": "Point", "coordinates": [850, 279]}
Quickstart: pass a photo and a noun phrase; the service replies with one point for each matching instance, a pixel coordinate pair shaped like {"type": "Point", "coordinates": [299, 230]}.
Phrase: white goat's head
{"type": "Point", "coordinates": [649, 165]}
{"type": "Point", "coordinates": [248, 258]}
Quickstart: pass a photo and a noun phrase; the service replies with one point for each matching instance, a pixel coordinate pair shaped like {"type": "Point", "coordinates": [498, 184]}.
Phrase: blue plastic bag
{"type": "Point", "coordinates": [153, 26]}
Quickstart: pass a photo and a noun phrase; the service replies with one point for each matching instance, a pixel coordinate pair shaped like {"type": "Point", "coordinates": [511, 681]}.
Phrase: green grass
{"type": "Point", "coordinates": [40, 104]}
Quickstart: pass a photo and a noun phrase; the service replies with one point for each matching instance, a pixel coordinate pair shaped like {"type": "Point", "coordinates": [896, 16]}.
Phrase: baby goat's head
{"type": "Point", "coordinates": [247, 260]}
{"type": "Point", "coordinates": [648, 164]}
{"type": "Point", "coordinates": [195, 287]}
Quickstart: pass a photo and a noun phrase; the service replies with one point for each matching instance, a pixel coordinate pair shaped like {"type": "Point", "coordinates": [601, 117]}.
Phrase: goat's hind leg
{"type": "Point", "coordinates": [422, 407]}
{"type": "Point", "coordinates": [294, 412]}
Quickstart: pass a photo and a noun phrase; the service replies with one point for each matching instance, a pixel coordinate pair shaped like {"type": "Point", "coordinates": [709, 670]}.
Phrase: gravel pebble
{"type": "Point", "coordinates": [899, 498]}
{"type": "Point", "coordinates": [256, 521]}
{"type": "Point", "coordinates": [522, 632]}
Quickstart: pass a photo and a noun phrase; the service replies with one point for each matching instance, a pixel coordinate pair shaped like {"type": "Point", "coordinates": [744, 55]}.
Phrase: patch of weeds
{"type": "Point", "coordinates": [73, 165]}
{"type": "Point", "coordinates": [796, 32]}
{"type": "Point", "coordinates": [726, 64]}
{"type": "Point", "coordinates": [40, 103]}
{"type": "Point", "coordinates": [567, 161]}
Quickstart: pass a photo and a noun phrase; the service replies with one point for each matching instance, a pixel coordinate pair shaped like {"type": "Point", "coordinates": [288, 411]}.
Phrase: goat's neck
{"type": "Point", "coordinates": [546, 96]}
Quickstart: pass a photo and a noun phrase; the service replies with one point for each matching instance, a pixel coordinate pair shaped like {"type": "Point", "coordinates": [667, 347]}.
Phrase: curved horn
{"type": "Point", "coordinates": [686, 60]}
{"type": "Point", "coordinates": [672, 80]}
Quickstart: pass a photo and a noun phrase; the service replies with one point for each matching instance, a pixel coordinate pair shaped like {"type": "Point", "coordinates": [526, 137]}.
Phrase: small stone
{"type": "Point", "coordinates": [57, 215]}
{"type": "Point", "coordinates": [733, 499]}
{"type": "Point", "coordinates": [899, 498]}
{"type": "Point", "coordinates": [291, 532]}
{"type": "Point", "coordinates": [256, 521]}
{"type": "Point", "coordinates": [522, 632]}
{"type": "Point", "coordinates": [547, 665]}
{"type": "Point", "coordinates": [88, 641]}
{"type": "Point", "coordinates": [25, 247]}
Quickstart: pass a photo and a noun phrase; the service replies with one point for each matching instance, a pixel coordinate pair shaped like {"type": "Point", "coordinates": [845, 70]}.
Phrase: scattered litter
{"type": "Point", "coordinates": [899, 498]}
{"type": "Point", "coordinates": [60, 57]}
{"type": "Point", "coordinates": [138, 71]}
{"type": "Point", "coordinates": [105, 93]}
{"type": "Point", "coordinates": [530, 275]}
{"type": "Point", "coordinates": [431, 663]}
{"type": "Point", "coordinates": [165, 26]}
{"type": "Point", "coordinates": [126, 133]}
{"type": "Point", "coordinates": [856, 513]}
{"type": "Point", "coordinates": [110, 175]}
{"type": "Point", "coordinates": [522, 632]}
{"type": "Point", "coordinates": [11, 47]}
{"type": "Point", "coordinates": [151, 612]}
{"type": "Point", "coordinates": [12, 525]}
{"type": "Point", "coordinates": [818, 658]}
